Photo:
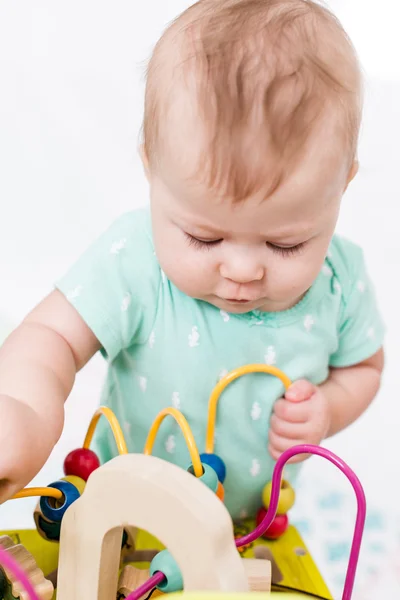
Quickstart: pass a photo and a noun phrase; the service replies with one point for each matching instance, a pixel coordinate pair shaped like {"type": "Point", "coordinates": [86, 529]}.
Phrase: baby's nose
{"type": "Point", "coordinates": [242, 271]}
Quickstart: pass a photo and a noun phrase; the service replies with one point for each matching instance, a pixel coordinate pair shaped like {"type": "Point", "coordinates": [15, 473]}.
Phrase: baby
{"type": "Point", "coordinates": [252, 115]}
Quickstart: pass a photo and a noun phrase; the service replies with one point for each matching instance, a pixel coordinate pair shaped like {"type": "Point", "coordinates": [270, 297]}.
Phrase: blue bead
{"type": "Point", "coordinates": [55, 512]}
{"type": "Point", "coordinates": [165, 562]}
{"type": "Point", "coordinates": [216, 463]}
{"type": "Point", "coordinates": [209, 477]}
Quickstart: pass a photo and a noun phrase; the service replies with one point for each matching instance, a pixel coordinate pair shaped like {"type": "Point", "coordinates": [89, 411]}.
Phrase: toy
{"type": "Point", "coordinates": [278, 526]}
{"type": "Point", "coordinates": [120, 500]}
{"type": "Point", "coordinates": [286, 497]}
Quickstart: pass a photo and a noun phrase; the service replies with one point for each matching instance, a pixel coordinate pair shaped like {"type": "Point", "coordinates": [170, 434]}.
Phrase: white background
{"type": "Point", "coordinates": [71, 88]}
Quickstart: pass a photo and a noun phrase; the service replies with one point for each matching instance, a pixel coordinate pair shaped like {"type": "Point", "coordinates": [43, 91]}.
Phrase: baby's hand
{"type": "Point", "coordinates": [23, 443]}
{"type": "Point", "coordinates": [301, 417]}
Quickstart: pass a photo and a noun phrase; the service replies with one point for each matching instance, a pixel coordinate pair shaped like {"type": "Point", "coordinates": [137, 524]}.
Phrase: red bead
{"type": "Point", "coordinates": [81, 463]}
{"type": "Point", "coordinates": [278, 526]}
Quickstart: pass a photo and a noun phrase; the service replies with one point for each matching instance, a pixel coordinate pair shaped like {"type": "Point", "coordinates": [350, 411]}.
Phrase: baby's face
{"type": "Point", "coordinates": [260, 254]}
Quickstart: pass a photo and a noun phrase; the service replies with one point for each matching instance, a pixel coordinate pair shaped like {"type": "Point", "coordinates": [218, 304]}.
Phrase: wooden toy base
{"type": "Point", "coordinates": [293, 569]}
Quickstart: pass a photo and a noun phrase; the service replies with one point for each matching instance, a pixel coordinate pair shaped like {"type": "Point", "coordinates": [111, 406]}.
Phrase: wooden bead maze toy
{"type": "Point", "coordinates": [101, 535]}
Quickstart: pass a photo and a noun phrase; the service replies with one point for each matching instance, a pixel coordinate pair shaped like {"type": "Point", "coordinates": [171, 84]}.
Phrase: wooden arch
{"type": "Point", "coordinates": [161, 498]}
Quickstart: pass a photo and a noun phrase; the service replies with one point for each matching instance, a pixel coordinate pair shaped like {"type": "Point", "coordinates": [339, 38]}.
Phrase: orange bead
{"type": "Point", "coordinates": [220, 491]}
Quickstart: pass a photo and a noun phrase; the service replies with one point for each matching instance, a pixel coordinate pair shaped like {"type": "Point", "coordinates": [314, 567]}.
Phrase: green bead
{"type": "Point", "coordinates": [216, 463]}
{"type": "Point", "coordinates": [165, 562]}
{"type": "Point", "coordinates": [209, 477]}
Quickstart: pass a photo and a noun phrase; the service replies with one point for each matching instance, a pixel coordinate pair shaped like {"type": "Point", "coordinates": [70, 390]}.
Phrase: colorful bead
{"type": "Point", "coordinates": [216, 463]}
{"type": "Point", "coordinates": [50, 529]}
{"type": "Point", "coordinates": [76, 481]}
{"type": "Point", "coordinates": [278, 526]}
{"type": "Point", "coordinates": [209, 477]}
{"type": "Point", "coordinates": [286, 497]}
{"type": "Point", "coordinates": [221, 491]}
{"type": "Point", "coordinates": [165, 562]}
{"type": "Point", "coordinates": [54, 510]}
{"type": "Point", "coordinates": [81, 463]}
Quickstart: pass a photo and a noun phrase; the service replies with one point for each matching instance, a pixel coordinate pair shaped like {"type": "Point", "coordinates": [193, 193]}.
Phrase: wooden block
{"type": "Point", "coordinates": [131, 578]}
{"type": "Point", "coordinates": [258, 574]}
{"type": "Point", "coordinates": [156, 496]}
{"type": "Point", "coordinates": [45, 553]}
{"type": "Point", "coordinates": [6, 542]}
{"type": "Point", "coordinates": [43, 587]}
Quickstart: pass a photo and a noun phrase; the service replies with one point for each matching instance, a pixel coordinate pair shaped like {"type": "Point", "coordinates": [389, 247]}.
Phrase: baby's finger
{"type": "Point", "coordinates": [299, 391]}
{"type": "Point", "coordinates": [276, 454]}
{"type": "Point", "coordinates": [287, 429]}
{"type": "Point", "coordinates": [292, 411]}
{"type": "Point", "coordinates": [280, 443]}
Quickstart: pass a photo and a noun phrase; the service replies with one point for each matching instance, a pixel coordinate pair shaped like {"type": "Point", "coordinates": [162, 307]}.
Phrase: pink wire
{"type": "Point", "coordinates": [361, 507]}
{"type": "Point", "coordinates": [10, 564]}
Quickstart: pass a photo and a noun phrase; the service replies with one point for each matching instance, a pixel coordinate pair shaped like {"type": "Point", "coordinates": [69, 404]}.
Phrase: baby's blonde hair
{"type": "Point", "coordinates": [265, 74]}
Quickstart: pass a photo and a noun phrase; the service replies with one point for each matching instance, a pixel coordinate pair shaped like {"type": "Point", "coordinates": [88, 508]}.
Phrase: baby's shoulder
{"type": "Point", "coordinates": [130, 235]}
{"type": "Point", "coordinates": [346, 260]}
{"type": "Point", "coordinates": [134, 224]}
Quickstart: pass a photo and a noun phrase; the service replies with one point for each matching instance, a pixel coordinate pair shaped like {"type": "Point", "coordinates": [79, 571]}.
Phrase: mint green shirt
{"type": "Point", "coordinates": [166, 349]}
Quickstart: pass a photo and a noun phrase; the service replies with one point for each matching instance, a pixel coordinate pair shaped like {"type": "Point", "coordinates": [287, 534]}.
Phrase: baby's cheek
{"type": "Point", "coordinates": [295, 277]}
{"type": "Point", "coordinates": [283, 285]}
{"type": "Point", "coordinates": [189, 272]}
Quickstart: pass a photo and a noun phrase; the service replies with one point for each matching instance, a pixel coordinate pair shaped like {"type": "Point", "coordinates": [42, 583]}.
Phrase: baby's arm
{"type": "Point", "coordinates": [351, 390]}
{"type": "Point", "coordinates": [308, 414]}
{"type": "Point", "coordinates": [38, 365]}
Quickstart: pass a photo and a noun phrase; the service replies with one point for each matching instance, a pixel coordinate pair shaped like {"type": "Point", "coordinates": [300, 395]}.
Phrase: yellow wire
{"type": "Point", "coordinates": [187, 434]}
{"type": "Point", "coordinates": [115, 427]}
{"type": "Point", "coordinates": [39, 491]}
{"type": "Point", "coordinates": [221, 385]}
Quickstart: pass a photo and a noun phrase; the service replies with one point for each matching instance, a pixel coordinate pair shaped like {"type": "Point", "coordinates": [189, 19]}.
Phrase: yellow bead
{"type": "Point", "coordinates": [286, 497]}
{"type": "Point", "coordinates": [78, 482]}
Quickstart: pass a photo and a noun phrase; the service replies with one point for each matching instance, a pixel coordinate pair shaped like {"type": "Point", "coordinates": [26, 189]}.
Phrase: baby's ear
{"type": "Point", "coordinates": [353, 172]}
{"type": "Point", "coordinates": [145, 160]}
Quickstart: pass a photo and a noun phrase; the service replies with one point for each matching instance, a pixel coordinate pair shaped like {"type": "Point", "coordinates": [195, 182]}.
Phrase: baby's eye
{"type": "Point", "coordinates": [286, 250]}
{"type": "Point", "coordinates": [199, 243]}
